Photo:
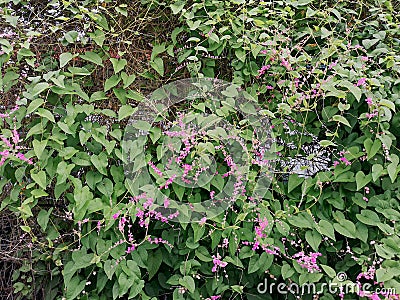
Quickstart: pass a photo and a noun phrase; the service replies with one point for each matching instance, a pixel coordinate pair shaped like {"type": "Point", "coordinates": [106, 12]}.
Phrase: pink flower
{"type": "Point", "coordinates": [372, 115]}
{"type": "Point", "coordinates": [309, 261]}
{"type": "Point", "coordinates": [286, 64]}
{"type": "Point", "coordinates": [166, 203]}
{"type": "Point", "coordinates": [130, 249]}
{"type": "Point", "coordinates": [116, 215]}
{"type": "Point", "coordinates": [262, 224]}
{"type": "Point", "coordinates": [212, 193]}
{"type": "Point", "coordinates": [168, 182]}
{"type": "Point", "coordinates": [263, 70]}
{"type": "Point", "coordinates": [20, 156]}
{"type": "Point", "coordinates": [369, 101]}
{"type": "Point", "coordinates": [218, 263]}
{"type": "Point", "coordinates": [157, 170]}
{"type": "Point", "coordinates": [15, 136]}
{"type": "Point", "coordinates": [203, 221]}
{"type": "Point", "coordinates": [346, 162]}
{"type": "Point", "coordinates": [362, 81]}
{"type": "Point", "coordinates": [333, 64]}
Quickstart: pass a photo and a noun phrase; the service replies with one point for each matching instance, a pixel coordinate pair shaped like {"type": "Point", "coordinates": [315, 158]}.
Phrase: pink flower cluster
{"type": "Point", "coordinates": [158, 241]}
{"type": "Point", "coordinates": [309, 261]}
{"type": "Point", "coordinates": [12, 148]}
{"type": "Point", "coordinates": [262, 224]}
{"type": "Point", "coordinates": [218, 263]}
{"type": "Point", "coordinates": [372, 115]}
{"type": "Point", "coordinates": [263, 69]}
{"type": "Point", "coordinates": [342, 159]}
{"type": "Point", "coordinates": [362, 81]}
{"type": "Point", "coordinates": [7, 115]}
{"type": "Point", "coordinates": [157, 170]}
{"type": "Point", "coordinates": [286, 64]}
{"type": "Point", "coordinates": [168, 182]}
{"type": "Point", "coordinates": [146, 213]}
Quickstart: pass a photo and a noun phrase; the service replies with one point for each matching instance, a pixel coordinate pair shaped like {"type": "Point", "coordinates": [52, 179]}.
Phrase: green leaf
{"type": "Point", "coordinates": [121, 94]}
{"type": "Point", "coordinates": [355, 90]}
{"type": "Point", "coordinates": [38, 88]}
{"type": "Point", "coordinates": [158, 65]}
{"type": "Point", "coordinates": [326, 143]}
{"type": "Point", "coordinates": [124, 283]}
{"type": "Point", "coordinates": [122, 11]}
{"type": "Point", "coordinates": [46, 114]}
{"type": "Point", "coordinates": [142, 125]}
{"type": "Point", "coordinates": [109, 268]}
{"type": "Point", "coordinates": [368, 43]}
{"type": "Point", "coordinates": [376, 171]}
{"type": "Point", "coordinates": [111, 82]}
{"type": "Point", "coordinates": [254, 265]}
{"type": "Point", "coordinates": [79, 71]}
{"type": "Point", "coordinates": [98, 37]}
{"type": "Point", "coordinates": [43, 218]}
{"type": "Point", "coordinates": [287, 271]}
{"type": "Point", "coordinates": [12, 20]}
{"type": "Point", "coordinates": [100, 162]}
{"type": "Point", "coordinates": [294, 181]}
{"type": "Point", "coordinates": [40, 179]}
{"type": "Point", "coordinates": [154, 262]}
{"type": "Point", "coordinates": [231, 91]}
{"type": "Point", "coordinates": [126, 111]}
{"type": "Point", "coordinates": [198, 232]}
{"type": "Point", "coordinates": [74, 287]}
{"type": "Point", "coordinates": [346, 228]}
{"type": "Point", "coordinates": [302, 220]}
{"type": "Point", "coordinates": [26, 228]}
{"type": "Point", "coordinates": [329, 271]}
{"type": "Point", "coordinates": [34, 105]}
{"type": "Point", "coordinates": [326, 229]}
{"type": "Point", "coordinates": [240, 54]}
{"type": "Point", "coordinates": [118, 64]}
{"type": "Point", "coordinates": [383, 274]}
{"type": "Point", "coordinates": [362, 179]}
{"type": "Point", "coordinates": [368, 217]}
{"type": "Point", "coordinates": [372, 147]}
{"type": "Point", "coordinates": [188, 282]}
{"type": "Point", "coordinates": [65, 58]}
{"type": "Point", "coordinates": [92, 57]}
{"type": "Point", "coordinates": [157, 49]}
{"type": "Point", "coordinates": [38, 147]}
{"type": "Point", "coordinates": [177, 6]}
{"type": "Point", "coordinates": [341, 119]}
{"type": "Point", "coordinates": [127, 80]}
{"type": "Point", "coordinates": [99, 95]}
{"type": "Point", "coordinates": [314, 239]}
{"type": "Point", "coordinates": [388, 104]}
{"type": "Point", "coordinates": [392, 167]}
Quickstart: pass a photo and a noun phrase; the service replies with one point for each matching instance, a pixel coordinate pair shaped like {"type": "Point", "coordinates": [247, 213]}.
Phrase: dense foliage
{"type": "Point", "coordinates": [324, 78]}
